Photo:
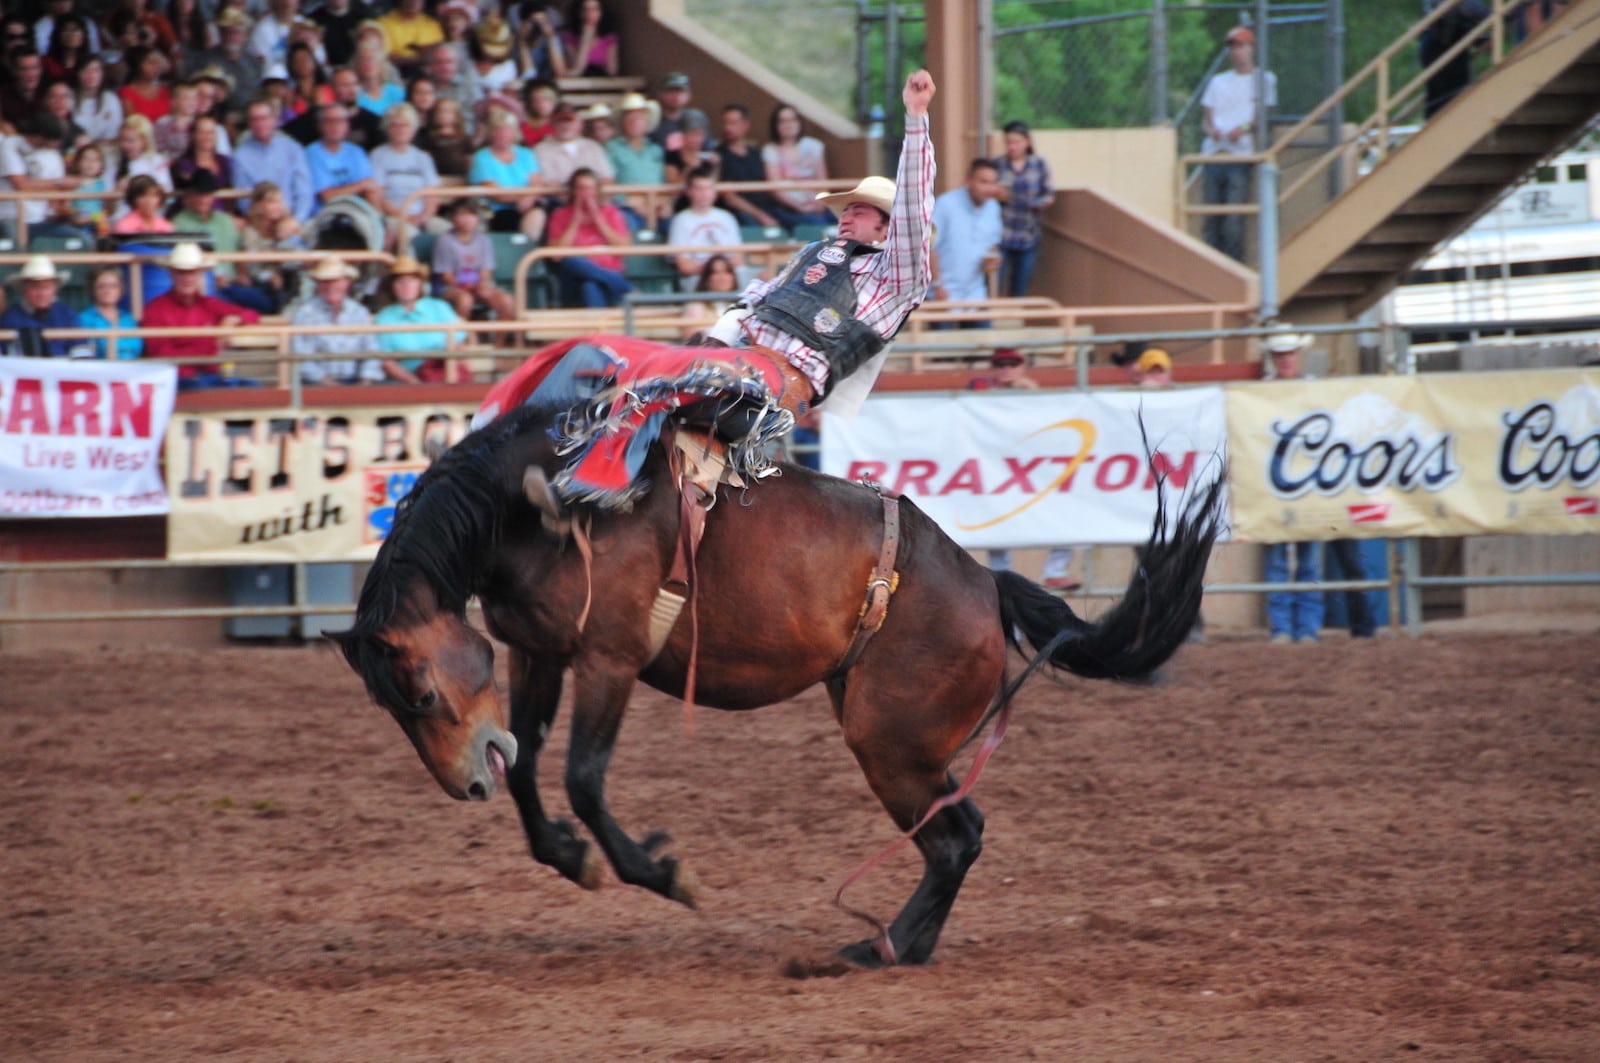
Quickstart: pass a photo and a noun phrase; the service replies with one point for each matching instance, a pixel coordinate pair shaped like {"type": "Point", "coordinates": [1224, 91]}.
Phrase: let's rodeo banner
{"type": "Point", "coordinates": [1029, 469]}
{"type": "Point", "coordinates": [1390, 457]}
{"type": "Point", "coordinates": [316, 485]}
{"type": "Point", "coordinates": [82, 438]}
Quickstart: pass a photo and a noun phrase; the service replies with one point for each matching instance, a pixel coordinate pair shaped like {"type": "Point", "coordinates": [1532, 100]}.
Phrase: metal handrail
{"type": "Point", "coordinates": [537, 254]}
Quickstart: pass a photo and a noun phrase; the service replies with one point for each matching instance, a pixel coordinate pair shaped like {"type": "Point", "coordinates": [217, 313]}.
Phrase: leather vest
{"type": "Point", "coordinates": [815, 302]}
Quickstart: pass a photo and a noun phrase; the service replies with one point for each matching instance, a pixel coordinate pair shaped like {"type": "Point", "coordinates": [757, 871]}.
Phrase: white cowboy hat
{"type": "Point", "coordinates": [188, 256]}
{"type": "Point", "coordinates": [593, 111]}
{"type": "Point", "coordinates": [333, 268]}
{"type": "Point", "coordinates": [873, 191]}
{"type": "Point", "coordinates": [1284, 342]}
{"type": "Point", "coordinates": [638, 101]}
{"type": "Point", "coordinates": [39, 268]}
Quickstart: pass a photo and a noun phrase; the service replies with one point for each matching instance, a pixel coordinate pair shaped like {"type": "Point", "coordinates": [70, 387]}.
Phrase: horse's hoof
{"type": "Point", "coordinates": [685, 887]}
{"type": "Point", "coordinates": [592, 873]}
{"type": "Point", "coordinates": [863, 954]}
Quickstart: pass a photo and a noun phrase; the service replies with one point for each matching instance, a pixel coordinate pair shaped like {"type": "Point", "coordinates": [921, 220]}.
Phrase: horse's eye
{"type": "Point", "coordinates": [425, 702]}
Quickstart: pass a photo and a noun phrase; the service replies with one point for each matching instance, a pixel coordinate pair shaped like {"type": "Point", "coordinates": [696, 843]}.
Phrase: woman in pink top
{"type": "Point", "coordinates": [144, 198]}
{"type": "Point", "coordinates": [589, 50]}
{"type": "Point", "coordinates": [793, 156]}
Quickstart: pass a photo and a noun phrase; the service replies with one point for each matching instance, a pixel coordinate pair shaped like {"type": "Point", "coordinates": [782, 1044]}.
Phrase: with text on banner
{"type": "Point", "coordinates": [1036, 469]}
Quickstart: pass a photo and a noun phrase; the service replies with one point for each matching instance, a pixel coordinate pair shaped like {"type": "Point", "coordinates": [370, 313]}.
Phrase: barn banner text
{"type": "Point", "coordinates": [1434, 455]}
{"type": "Point", "coordinates": [83, 438]}
{"type": "Point", "coordinates": [1026, 469]}
{"type": "Point", "coordinates": [281, 485]}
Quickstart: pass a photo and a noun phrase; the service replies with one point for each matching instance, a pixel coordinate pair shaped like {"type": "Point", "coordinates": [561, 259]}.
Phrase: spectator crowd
{"type": "Point", "coordinates": [256, 125]}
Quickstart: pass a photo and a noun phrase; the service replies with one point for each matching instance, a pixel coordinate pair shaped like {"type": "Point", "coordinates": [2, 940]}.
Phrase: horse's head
{"type": "Point", "coordinates": [434, 673]}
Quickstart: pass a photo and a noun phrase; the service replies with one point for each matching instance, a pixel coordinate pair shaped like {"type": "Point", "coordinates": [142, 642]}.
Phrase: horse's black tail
{"type": "Point", "coordinates": [1152, 619]}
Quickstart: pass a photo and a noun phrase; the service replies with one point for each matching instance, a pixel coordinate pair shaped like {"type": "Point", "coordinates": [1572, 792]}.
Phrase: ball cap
{"type": "Point", "coordinates": [1155, 358]}
{"type": "Point", "coordinates": [1240, 34]}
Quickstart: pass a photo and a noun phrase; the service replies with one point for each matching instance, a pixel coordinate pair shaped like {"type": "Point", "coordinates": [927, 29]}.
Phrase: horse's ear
{"type": "Point", "coordinates": [541, 496]}
{"type": "Point", "coordinates": [345, 640]}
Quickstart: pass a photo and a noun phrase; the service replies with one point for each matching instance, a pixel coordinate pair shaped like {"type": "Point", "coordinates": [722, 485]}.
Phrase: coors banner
{"type": "Point", "coordinates": [1388, 457]}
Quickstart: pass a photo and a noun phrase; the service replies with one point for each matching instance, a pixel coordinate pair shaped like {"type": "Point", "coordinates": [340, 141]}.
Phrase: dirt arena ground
{"type": "Point", "coordinates": [1352, 851]}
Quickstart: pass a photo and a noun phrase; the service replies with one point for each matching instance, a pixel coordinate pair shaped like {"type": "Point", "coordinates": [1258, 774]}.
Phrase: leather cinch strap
{"type": "Point", "coordinates": [880, 587]}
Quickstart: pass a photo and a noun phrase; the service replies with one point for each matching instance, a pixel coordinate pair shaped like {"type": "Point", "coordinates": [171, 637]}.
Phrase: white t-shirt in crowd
{"type": "Point", "coordinates": [1231, 98]}
{"type": "Point", "coordinates": [17, 158]}
{"type": "Point", "coordinates": [716, 227]}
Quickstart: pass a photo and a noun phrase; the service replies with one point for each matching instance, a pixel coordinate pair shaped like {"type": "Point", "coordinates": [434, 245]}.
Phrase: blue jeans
{"type": "Point", "coordinates": [585, 284]}
{"type": "Point", "coordinates": [1297, 614]}
{"type": "Point", "coordinates": [1016, 270]}
{"type": "Point", "coordinates": [1344, 557]}
{"type": "Point", "coordinates": [1226, 182]}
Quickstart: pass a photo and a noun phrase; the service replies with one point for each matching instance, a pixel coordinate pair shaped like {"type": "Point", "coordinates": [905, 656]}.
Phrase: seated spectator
{"type": "Point", "coordinates": [365, 130]}
{"type": "Point", "coordinates": [144, 199]}
{"type": "Point", "coordinates": [401, 168]}
{"type": "Point", "coordinates": [717, 277]}
{"type": "Point", "coordinates": [186, 305]}
{"type": "Point", "coordinates": [675, 111]}
{"type": "Point", "coordinates": [106, 312]}
{"type": "Point", "coordinates": [464, 263]}
{"type": "Point", "coordinates": [567, 151]}
{"type": "Point", "coordinates": [598, 125]}
{"type": "Point", "coordinates": [540, 99]}
{"type": "Point", "coordinates": [590, 48]}
{"type": "Point", "coordinates": [153, 25]}
{"type": "Point", "coordinates": [39, 308]}
{"type": "Point", "coordinates": [60, 102]}
{"type": "Point", "coordinates": [339, 168]}
{"type": "Point", "coordinates": [89, 167]}
{"type": "Point", "coordinates": [702, 223]}
{"type": "Point", "coordinates": [445, 137]}
{"type": "Point", "coordinates": [586, 221]}
{"type": "Point", "coordinates": [503, 163]}
{"type": "Point", "coordinates": [269, 38]}
{"type": "Point", "coordinates": [147, 93]}
{"type": "Point", "coordinates": [489, 51]}
{"type": "Point", "coordinates": [67, 45]}
{"type": "Point", "coordinates": [201, 216]}
{"type": "Point", "coordinates": [536, 26]}
{"type": "Point", "coordinates": [421, 95]}
{"type": "Point", "coordinates": [375, 93]}
{"type": "Point", "coordinates": [453, 80]}
{"type": "Point", "coordinates": [98, 110]}
{"type": "Point", "coordinates": [230, 60]}
{"type": "Point", "coordinates": [29, 162]}
{"type": "Point", "coordinates": [267, 154]}
{"type": "Point", "coordinates": [332, 306]}
{"type": "Point", "coordinates": [271, 226]}
{"type": "Point", "coordinates": [173, 131]}
{"type": "Point", "coordinates": [409, 306]}
{"type": "Point", "coordinates": [339, 19]}
{"type": "Point", "coordinates": [693, 152]}
{"type": "Point", "coordinates": [22, 92]}
{"type": "Point", "coordinates": [410, 32]}
{"type": "Point", "coordinates": [638, 160]}
{"type": "Point", "coordinates": [137, 143]}
{"type": "Point", "coordinates": [309, 88]}
{"type": "Point", "coordinates": [204, 153]}
{"type": "Point", "coordinates": [456, 19]}
{"type": "Point", "coordinates": [739, 159]}
{"type": "Point", "coordinates": [792, 156]}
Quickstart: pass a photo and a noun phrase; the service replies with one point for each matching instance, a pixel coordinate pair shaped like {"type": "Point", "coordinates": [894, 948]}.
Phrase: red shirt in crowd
{"type": "Point", "coordinates": [589, 234]}
{"type": "Point", "coordinates": [166, 311]}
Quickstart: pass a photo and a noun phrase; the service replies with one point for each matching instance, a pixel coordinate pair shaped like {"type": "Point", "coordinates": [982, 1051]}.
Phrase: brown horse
{"type": "Point", "coordinates": [779, 583]}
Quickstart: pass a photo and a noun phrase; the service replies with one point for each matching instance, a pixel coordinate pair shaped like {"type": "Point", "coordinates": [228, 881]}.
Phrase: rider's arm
{"type": "Point", "coordinates": [906, 246]}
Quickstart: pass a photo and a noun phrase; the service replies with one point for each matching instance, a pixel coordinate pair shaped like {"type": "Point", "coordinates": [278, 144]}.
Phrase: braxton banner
{"type": "Point", "coordinates": [1441, 454]}
{"type": "Point", "coordinates": [82, 438]}
{"type": "Point", "coordinates": [276, 486]}
{"type": "Point", "coordinates": [1029, 469]}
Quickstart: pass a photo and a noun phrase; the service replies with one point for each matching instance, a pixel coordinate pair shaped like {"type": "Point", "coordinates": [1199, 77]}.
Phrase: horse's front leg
{"type": "Point", "coordinates": [602, 698]}
{"type": "Point", "coordinates": [535, 694]}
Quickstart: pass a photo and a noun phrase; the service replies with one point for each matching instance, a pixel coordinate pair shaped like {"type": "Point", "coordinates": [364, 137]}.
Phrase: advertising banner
{"type": "Point", "coordinates": [1033, 469]}
{"type": "Point", "coordinates": [1434, 455]}
{"type": "Point", "coordinates": [82, 438]}
{"type": "Point", "coordinates": [264, 486]}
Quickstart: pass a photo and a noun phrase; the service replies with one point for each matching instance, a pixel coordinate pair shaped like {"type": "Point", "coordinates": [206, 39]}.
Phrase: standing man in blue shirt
{"type": "Point", "coordinates": [967, 228]}
{"type": "Point", "coordinates": [266, 154]}
{"type": "Point", "coordinates": [40, 309]}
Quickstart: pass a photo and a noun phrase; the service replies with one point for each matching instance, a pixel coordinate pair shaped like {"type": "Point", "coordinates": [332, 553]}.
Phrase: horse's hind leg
{"type": "Point", "coordinates": [535, 693]}
{"type": "Point", "coordinates": [908, 776]}
{"type": "Point", "coordinates": [596, 719]}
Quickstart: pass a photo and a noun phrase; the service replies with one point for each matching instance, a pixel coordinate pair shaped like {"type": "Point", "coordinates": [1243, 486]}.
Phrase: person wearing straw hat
{"type": "Point", "coordinates": [489, 48]}
{"type": "Point", "coordinates": [39, 308]}
{"type": "Point", "coordinates": [186, 305]}
{"type": "Point", "coordinates": [1291, 616]}
{"type": "Point", "coordinates": [635, 158]}
{"type": "Point", "coordinates": [838, 302]}
{"type": "Point", "coordinates": [406, 285]}
{"type": "Point", "coordinates": [332, 307]}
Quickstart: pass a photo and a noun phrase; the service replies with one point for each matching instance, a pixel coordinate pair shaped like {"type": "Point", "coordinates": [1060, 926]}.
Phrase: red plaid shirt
{"type": "Point", "coordinates": [888, 285]}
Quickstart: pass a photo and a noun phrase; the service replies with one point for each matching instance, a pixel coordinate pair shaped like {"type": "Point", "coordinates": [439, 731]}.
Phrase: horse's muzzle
{"type": "Point", "coordinates": [493, 751]}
